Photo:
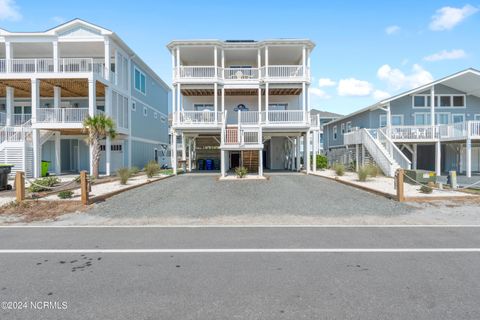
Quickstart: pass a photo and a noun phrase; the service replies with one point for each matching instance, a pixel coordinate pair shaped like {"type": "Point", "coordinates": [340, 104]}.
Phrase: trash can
{"type": "Point", "coordinates": [5, 169]}
{"type": "Point", "coordinates": [209, 164]}
{"type": "Point", "coordinates": [45, 165]}
{"type": "Point", "coordinates": [201, 164]}
{"type": "Point", "coordinates": [216, 164]}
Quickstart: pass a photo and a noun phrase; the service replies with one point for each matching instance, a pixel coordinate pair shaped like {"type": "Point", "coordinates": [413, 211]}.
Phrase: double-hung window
{"type": "Point", "coordinates": [422, 119]}
{"type": "Point", "coordinates": [140, 81]}
{"type": "Point", "coordinates": [335, 133]}
{"type": "Point", "coordinates": [397, 119]}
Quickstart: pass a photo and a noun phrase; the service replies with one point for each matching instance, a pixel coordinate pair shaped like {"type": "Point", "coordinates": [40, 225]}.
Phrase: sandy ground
{"type": "Point", "coordinates": [386, 184]}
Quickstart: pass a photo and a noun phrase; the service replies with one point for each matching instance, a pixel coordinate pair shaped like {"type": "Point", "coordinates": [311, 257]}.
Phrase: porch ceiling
{"type": "Point", "coordinates": [71, 88]}
{"type": "Point", "coordinates": [243, 92]}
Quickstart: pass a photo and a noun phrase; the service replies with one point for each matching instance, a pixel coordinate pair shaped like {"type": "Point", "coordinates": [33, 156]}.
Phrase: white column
{"type": "Point", "coordinates": [389, 120]}
{"type": "Point", "coordinates": [108, 141]}
{"type": "Point", "coordinates": [357, 158]}
{"type": "Point", "coordinates": [222, 162]}
{"type": "Point", "coordinates": [468, 158]}
{"type": "Point", "coordinates": [315, 150]}
{"type": "Point", "coordinates": [304, 59]}
{"type": "Point", "coordinates": [363, 154]}
{"type": "Point", "coordinates": [223, 63]}
{"type": "Point", "coordinates": [260, 163]}
{"type": "Point", "coordinates": [266, 61]}
{"type": "Point", "coordinates": [297, 153]}
{"type": "Point", "coordinates": [223, 99]}
{"type": "Point", "coordinates": [58, 158]}
{"type": "Point", "coordinates": [107, 58]}
{"type": "Point", "coordinates": [57, 96]}
{"type": "Point", "coordinates": [304, 100]}
{"type": "Point", "coordinates": [36, 152]}
{"type": "Point", "coordinates": [184, 151]}
{"type": "Point", "coordinates": [438, 158]}
{"type": "Point", "coordinates": [179, 102]}
{"type": "Point", "coordinates": [215, 101]}
{"type": "Point", "coordinates": [92, 97]}
{"type": "Point", "coordinates": [55, 55]}
{"type": "Point", "coordinates": [215, 60]}
{"type": "Point", "coordinates": [8, 56]}
{"type": "Point", "coordinates": [266, 101]}
{"type": "Point", "coordinates": [432, 109]}
{"type": "Point", "coordinates": [259, 105]}
{"type": "Point", "coordinates": [190, 155]}
{"type": "Point", "coordinates": [174, 107]}
{"type": "Point", "coordinates": [10, 97]}
{"type": "Point", "coordinates": [178, 61]}
{"type": "Point", "coordinates": [307, 145]}
{"type": "Point", "coordinates": [414, 156]}
{"type": "Point", "coordinates": [35, 98]}
{"type": "Point", "coordinates": [174, 152]}
{"type": "Point", "coordinates": [174, 67]}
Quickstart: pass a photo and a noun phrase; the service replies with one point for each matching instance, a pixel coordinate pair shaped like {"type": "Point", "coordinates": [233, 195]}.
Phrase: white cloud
{"type": "Point", "coordinates": [326, 82]}
{"type": "Point", "coordinates": [448, 17]}
{"type": "Point", "coordinates": [9, 11]}
{"type": "Point", "coordinates": [446, 55]}
{"type": "Point", "coordinates": [397, 79]}
{"type": "Point", "coordinates": [380, 95]}
{"type": "Point", "coordinates": [319, 93]}
{"type": "Point", "coordinates": [354, 88]}
{"type": "Point", "coordinates": [392, 29]}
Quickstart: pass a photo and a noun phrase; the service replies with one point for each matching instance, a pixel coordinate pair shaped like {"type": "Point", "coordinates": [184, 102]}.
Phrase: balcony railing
{"type": "Point", "coordinates": [61, 115]}
{"type": "Point", "coordinates": [284, 116]}
{"type": "Point", "coordinates": [200, 117]}
{"type": "Point", "coordinates": [235, 136]}
{"type": "Point", "coordinates": [30, 65]}
{"type": "Point", "coordinates": [20, 119]}
{"type": "Point", "coordinates": [461, 130]}
{"type": "Point", "coordinates": [275, 72]}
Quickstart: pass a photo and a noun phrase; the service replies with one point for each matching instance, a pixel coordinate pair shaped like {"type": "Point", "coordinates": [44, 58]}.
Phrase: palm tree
{"type": "Point", "coordinates": [99, 127]}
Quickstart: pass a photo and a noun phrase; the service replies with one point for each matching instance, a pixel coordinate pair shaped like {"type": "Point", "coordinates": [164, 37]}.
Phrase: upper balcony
{"type": "Point", "coordinates": [208, 74]}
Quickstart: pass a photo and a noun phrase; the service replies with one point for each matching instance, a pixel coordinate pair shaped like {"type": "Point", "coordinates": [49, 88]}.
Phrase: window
{"type": "Point", "coordinates": [155, 115]}
{"type": "Point", "coordinates": [382, 120]}
{"type": "Point", "coordinates": [477, 117]}
{"type": "Point", "coordinates": [134, 106]}
{"type": "Point", "coordinates": [419, 101]}
{"type": "Point", "coordinates": [442, 118]}
{"type": "Point", "coordinates": [458, 118]}
{"type": "Point", "coordinates": [422, 119]}
{"type": "Point", "coordinates": [113, 147]}
{"type": "Point", "coordinates": [459, 101]}
{"type": "Point", "coordinates": [203, 107]}
{"type": "Point", "coordinates": [349, 126]}
{"type": "Point", "coordinates": [343, 128]}
{"type": "Point", "coordinates": [445, 101]}
{"type": "Point", "coordinates": [335, 133]}
{"type": "Point", "coordinates": [145, 111]}
{"type": "Point", "coordinates": [397, 120]}
{"type": "Point", "coordinates": [140, 81]}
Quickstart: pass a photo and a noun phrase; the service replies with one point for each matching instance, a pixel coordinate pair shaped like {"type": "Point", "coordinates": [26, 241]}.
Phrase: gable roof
{"type": "Point", "coordinates": [325, 114]}
{"type": "Point", "coordinates": [467, 81]}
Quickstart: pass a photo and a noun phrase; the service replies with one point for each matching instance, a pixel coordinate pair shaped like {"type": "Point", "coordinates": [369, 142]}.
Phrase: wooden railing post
{"type": "Point", "coordinates": [400, 186]}
{"type": "Point", "coordinates": [84, 187]}
{"type": "Point", "coordinates": [20, 186]}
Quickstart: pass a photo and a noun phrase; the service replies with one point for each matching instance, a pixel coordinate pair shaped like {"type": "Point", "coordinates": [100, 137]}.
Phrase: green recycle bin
{"type": "Point", "coordinates": [45, 165]}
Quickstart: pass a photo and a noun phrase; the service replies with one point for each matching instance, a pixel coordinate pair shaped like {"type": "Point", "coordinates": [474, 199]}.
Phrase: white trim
{"type": "Point", "coordinates": [342, 128]}
{"type": "Point", "coordinates": [397, 115]}
{"type": "Point", "coordinates": [380, 117]}
{"type": "Point", "coordinates": [426, 114]}
{"type": "Point", "coordinates": [348, 126]}
{"type": "Point", "coordinates": [148, 140]}
{"type": "Point", "coordinates": [458, 114]}
{"type": "Point", "coordinates": [135, 68]}
{"type": "Point", "coordinates": [437, 114]}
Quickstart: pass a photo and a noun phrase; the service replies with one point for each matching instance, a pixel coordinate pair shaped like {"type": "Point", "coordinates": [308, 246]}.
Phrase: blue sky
{"type": "Point", "coordinates": [365, 50]}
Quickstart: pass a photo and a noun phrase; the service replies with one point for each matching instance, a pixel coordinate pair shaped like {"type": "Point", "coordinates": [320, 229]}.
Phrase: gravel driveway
{"type": "Point", "coordinates": [200, 196]}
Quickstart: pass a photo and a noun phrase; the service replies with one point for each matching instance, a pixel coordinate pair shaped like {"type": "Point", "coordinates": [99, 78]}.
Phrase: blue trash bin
{"type": "Point", "coordinates": [209, 164]}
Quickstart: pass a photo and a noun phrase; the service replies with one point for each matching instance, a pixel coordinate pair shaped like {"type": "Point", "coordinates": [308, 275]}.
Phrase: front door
{"type": "Point", "coordinates": [234, 160]}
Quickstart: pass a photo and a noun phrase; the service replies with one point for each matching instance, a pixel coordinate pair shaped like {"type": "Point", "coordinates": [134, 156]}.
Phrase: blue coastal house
{"type": "Point", "coordinates": [433, 127]}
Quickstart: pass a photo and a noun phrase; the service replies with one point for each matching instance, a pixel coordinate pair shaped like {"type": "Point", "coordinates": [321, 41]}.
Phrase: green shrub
{"type": "Point", "coordinates": [241, 172]}
{"type": "Point", "coordinates": [124, 174]}
{"type": "Point", "coordinates": [322, 161]}
{"type": "Point", "coordinates": [152, 168]}
{"type": "Point", "coordinates": [66, 194]}
{"type": "Point", "coordinates": [426, 189]}
{"type": "Point", "coordinates": [43, 184]}
{"type": "Point", "coordinates": [373, 170]}
{"type": "Point", "coordinates": [363, 173]}
{"type": "Point", "coordinates": [339, 169]}
{"type": "Point", "coordinates": [134, 170]}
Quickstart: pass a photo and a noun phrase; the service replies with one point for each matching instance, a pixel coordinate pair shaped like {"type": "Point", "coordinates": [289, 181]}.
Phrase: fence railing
{"type": "Point", "coordinates": [197, 72]}
{"type": "Point", "coordinates": [30, 65]}
{"type": "Point", "coordinates": [283, 71]}
{"type": "Point", "coordinates": [231, 136]}
{"type": "Point", "coordinates": [474, 129]}
{"type": "Point", "coordinates": [241, 73]}
{"type": "Point", "coordinates": [61, 115]}
{"type": "Point", "coordinates": [14, 134]}
{"type": "Point", "coordinates": [249, 117]}
{"type": "Point", "coordinates": [199, 117]}
{"type": "Point", "coordinates": [284, 116]}
{"type": "Point", "coordinates": [393, 150]}
{"type": "Point", "coordinates": [20, 119]}
{"type": "Point", "coordinates": [3, 66]}
{"type": "Point", "coordinates": [250, 137]}
{"type": "Point", "coordinates": [413, 132]}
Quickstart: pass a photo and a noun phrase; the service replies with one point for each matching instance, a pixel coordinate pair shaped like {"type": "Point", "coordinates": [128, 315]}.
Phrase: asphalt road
{"type": "Point", "coordinates": [202, 273]}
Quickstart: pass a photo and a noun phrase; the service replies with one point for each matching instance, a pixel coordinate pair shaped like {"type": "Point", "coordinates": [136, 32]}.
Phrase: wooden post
{"type": "Point", "coordinates": [400, 186]}
{"type": "Point", "coordinates": [20, 186]}
{"type": "Point", "coordinates": [84, 187]}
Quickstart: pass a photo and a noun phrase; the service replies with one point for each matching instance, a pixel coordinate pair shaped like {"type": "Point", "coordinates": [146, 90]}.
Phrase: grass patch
{"type": "Point", "coordinates": [363, 173]}
{"type": "Point", "coordinates": [339, 169]}
{"type": "Point", "coordinates": [152, 169]}
{"type": "Point", "coordinates": [124, 174]}
{"type": "Point", "coordinates": [30, 211]}
{"type": "Point", "coordinates": [66, 194]}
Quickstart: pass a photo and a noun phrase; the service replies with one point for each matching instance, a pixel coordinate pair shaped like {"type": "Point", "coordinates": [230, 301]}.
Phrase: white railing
{"type": "Point", "coordinates": [283, 71]}
{"type": "Point", "coordinates": [250, 137]}
{"type": "Point", "coordinates": [452, 131]}
{"type": "Point", "coordinates": [20, 119]}
{"type": "Point", "coordinates": [354, 137]}
{"type": "Point", "coordinates": [82, 65]}
{"type": "Point", "coordinates": [199, 117]}
{"type": "Point", "coordinates": [284, 116]}
{"type": "Point", "coordinates": [413, 133]}
{"type": "Point", "coordinates": [248, 117]}
{"type": "Point", "coordinates": [31, 65]}
{"type": "Point", "coordinates": [3, 66]}
{"type": "Point", "coordinates": [241, 73]}
{"type": "Point", "coordinates": [474, 129]}
{"type": "Point", "coordinates": [393, 150]}
{"type": "Point", "coordinates": [379, 154]}
{"type": "Point", "coordinates": [197, 72]}
{"type": "Point", "coordinates": [14, 134]}
{"type": "Point", "coordinates": [61, 115]}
